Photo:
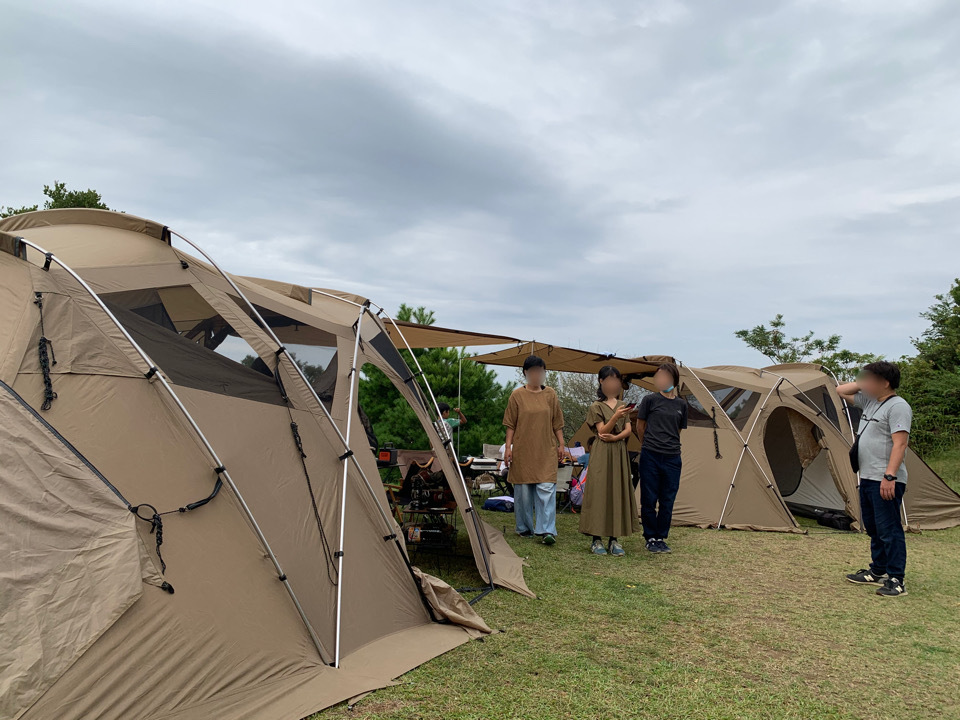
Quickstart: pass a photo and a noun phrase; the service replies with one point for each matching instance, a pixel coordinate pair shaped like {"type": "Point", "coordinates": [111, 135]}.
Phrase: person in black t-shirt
{"type": "Point", "coordinates": [660, 418]}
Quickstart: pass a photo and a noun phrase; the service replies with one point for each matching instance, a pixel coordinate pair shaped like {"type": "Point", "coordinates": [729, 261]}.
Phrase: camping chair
{"type": "Point", "coordinates": [564, 474]}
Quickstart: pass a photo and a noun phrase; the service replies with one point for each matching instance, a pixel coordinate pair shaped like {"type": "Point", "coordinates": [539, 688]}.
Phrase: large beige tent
{"type": "Point", "coordinates": [182, 536]}
{"type": "Point", "coordinates": [762, 446]}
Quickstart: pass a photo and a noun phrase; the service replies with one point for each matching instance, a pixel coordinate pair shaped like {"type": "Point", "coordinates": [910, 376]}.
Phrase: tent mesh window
{"type": "Point", "coordinates": [697, 415]}
{"type": "Point", "coordinates": [193, 356]}
{"type": "Point", "coordinates": [737, 403]}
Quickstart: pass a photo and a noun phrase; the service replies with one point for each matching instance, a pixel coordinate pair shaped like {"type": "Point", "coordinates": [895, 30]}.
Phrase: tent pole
{"type": "Point", "coordinates": [746, 449]}
{"type": "Point", "coordinates": [152, 372]}
{"type": "Point", "coordinates": [281, 349]}
{"type": "Point", "coordinates": [736, 470]}
{"type": "Point", "coordinates": [788, 380]}
{"type": "Point", "coordinates": [343, 488]}
{"type": "Point", "coordinates": [853, 436]}
{"type": "Point", "coordinates": [746, 445]}
{"type": "Point", "coordinates": [459, 392]}
{"type": "Point", "coordinates": [471, 510]}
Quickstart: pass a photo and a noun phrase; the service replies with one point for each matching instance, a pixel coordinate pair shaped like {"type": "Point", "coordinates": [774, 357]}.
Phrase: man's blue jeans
{"type": "Point", "coordinates": [659, 483]}
{"type": "Point", "coordinates": [882, 521]}
{"type": "Point", "coordinates": [541, 497]}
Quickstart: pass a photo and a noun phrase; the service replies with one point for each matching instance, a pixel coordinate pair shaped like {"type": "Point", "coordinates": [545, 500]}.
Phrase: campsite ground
{"type": "Point", "coordinates": [731, 625]}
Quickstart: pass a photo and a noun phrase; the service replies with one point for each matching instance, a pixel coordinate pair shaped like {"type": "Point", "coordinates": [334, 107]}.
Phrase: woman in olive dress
{"type": "Point", "coordinates": [609, 504]}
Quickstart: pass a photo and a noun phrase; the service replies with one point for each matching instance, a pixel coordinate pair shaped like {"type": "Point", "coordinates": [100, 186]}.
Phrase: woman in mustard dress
{"type": "Point", "coordinates": [533, 449]}
{"type": "Point", "coordinates": [609, 504]}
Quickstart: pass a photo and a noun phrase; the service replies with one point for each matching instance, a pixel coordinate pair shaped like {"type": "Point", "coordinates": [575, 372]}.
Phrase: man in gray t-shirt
{"type": "Point", "coordinates": [882, 438]}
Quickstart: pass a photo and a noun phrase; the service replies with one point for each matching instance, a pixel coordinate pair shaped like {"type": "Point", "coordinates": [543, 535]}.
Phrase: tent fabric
{"type": "Point", "coordinates": [70, 543]}
{"type": "Point", "coordinates": [570, 360]}
{"type": "Point", "coordinates": [114, 260]}
{"type": "Point", "coordinates": [791, 447]}
{"type": "Point", "coordinates": [229, 642]}
{"type": "Point", "coordinates": [432, 336]}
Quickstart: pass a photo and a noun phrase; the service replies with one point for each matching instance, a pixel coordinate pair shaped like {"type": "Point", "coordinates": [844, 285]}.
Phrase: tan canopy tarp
{"type": "Point", "coordinates": [569, 360]}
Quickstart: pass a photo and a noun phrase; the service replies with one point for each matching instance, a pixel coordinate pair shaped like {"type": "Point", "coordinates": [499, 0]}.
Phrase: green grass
{"type": "Point", "coordinates": [734, 625]}
{"type": "Point", "coordinates": [947, 465]}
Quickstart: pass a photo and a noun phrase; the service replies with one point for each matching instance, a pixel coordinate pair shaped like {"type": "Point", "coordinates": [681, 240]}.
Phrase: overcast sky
{"type": "Point", "coordinates": [625, 177]}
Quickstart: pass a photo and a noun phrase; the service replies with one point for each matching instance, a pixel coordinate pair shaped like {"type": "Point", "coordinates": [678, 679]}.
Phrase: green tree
{"type": "Point", "coordinates": [59, 197]}
{"type": "Point", "coordinates": [773, 342]}
{"type": "Point", "coordinates": [455, 379]}
{"type": "Point", "coordinates": [313, 372]}
{"type": "Point", "coordinates": [931, 380]}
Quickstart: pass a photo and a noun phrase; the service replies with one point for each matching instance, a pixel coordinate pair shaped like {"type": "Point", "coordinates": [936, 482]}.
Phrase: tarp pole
{"type": "Point", "coordinates": [343, 489]}
{"type": "Point", "coordinates": [471, 510]}
{"type": "Point", "coordinates": [152, 372]}
{"type": "Point", "coordinates": [853, 436]}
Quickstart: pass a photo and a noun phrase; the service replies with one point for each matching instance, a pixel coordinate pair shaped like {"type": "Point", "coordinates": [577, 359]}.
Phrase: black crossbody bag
{"type": "Point", "coordinates": [855, 448]}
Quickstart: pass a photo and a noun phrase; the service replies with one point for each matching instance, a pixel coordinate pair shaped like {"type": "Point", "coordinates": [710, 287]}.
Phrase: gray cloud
{"type": "Point", "coordinates": [627, 178]}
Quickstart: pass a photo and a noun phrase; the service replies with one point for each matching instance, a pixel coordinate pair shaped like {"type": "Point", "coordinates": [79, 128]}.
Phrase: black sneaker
{"type": "Point", "coordinates": [664, 548]}
{"type": "Point", "coordinates": [893, 587]}
{"type": "Point", "coordinates": [866, 577]}
{"type": "Point", "coordinates": [525, 534]}
{"type": "Point", "coordinates": [652, 545]}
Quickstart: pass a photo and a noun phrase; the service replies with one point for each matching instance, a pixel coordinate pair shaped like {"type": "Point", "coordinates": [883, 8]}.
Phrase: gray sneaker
{"type": "Point", "coordinates": [615, 549]}
{"type": "Point", "coordinates": [597, 548]}
{"type": "Point", "coordinates": [866, 577]}
{"type": "Point", "coordinates": [893, 587]}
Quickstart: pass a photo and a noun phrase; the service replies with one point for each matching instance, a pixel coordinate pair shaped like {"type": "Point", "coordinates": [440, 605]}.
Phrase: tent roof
{"type": "Point", "coordinates": [431, 336]}
{"type": "Point", "coordinates": [571, 360]}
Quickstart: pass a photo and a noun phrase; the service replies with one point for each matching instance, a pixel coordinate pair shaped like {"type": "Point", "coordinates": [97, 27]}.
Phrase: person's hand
{"type": "Point", "coordinates": [456, 410]}
{"type": "Point", "coordinates": [621, 411]}
{"type": "Point", "coordinates": [607, 437]}
{"type": "Point", "coordinates": [561, 453]}
{"type": "Point", "coordinates": [888, 489]}
{"type": "Point", "coordinates": [508, 456]}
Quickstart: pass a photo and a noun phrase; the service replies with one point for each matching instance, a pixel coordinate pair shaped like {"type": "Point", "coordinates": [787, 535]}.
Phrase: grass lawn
{"type": "Point", "coordinates": [947, 464]}
{"type": "Point", "coordinates": [731, 625]}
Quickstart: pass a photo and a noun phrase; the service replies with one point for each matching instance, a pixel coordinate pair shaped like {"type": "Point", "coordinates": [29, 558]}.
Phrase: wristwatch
{"type": "Point", "coordinates": [892, 478]}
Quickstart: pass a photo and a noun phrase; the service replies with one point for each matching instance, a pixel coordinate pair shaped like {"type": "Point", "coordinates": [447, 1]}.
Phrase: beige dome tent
{"type": "Point", "coordinates": [762, 445]}
{"type": "Point", "coordinates": [193, 538]}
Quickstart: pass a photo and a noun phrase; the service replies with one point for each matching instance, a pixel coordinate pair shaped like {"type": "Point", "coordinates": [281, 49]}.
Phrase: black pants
{"type": "Point", "coordinates": [659, 483]}
{"type": "Point", "coordinates": [881, 520]}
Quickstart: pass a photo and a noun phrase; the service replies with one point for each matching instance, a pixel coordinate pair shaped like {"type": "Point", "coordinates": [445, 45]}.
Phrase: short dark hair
{"type": "Point", "coordinates": [605, 372]}
{"type": "Point", "coordinates": [532, 362]}
{"type": "Point", "coordinates": [443, 407]}
{"type": "Point", "coordinates": [590, 442]}
{"type": "Point", "coordinates": [886, 371]}
{"type": "Point", "coordinates": [673, 370]}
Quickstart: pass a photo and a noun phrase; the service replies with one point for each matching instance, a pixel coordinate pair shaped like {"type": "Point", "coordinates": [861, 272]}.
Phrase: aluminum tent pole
{"type": "Point", "coordinates": [153, 371]}
{"type": "Point", "coordinates": [819, 411]}
{"type": "Point", "coordinates": [471, 510]}
{"type": "Point", "coordinates": [746, 449]}
{"type": "Point", "coordinates": [746, 445]}
{"type": "Point", "coordinates": [348, 452]}
{"type": "Point", "coordinates": [733, 480]}
{"type": "Point", "coordinates": [343, 490]}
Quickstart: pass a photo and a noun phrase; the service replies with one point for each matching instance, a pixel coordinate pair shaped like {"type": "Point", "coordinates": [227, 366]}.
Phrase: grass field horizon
{"type": "Point", "coordinates": [732, 625]}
